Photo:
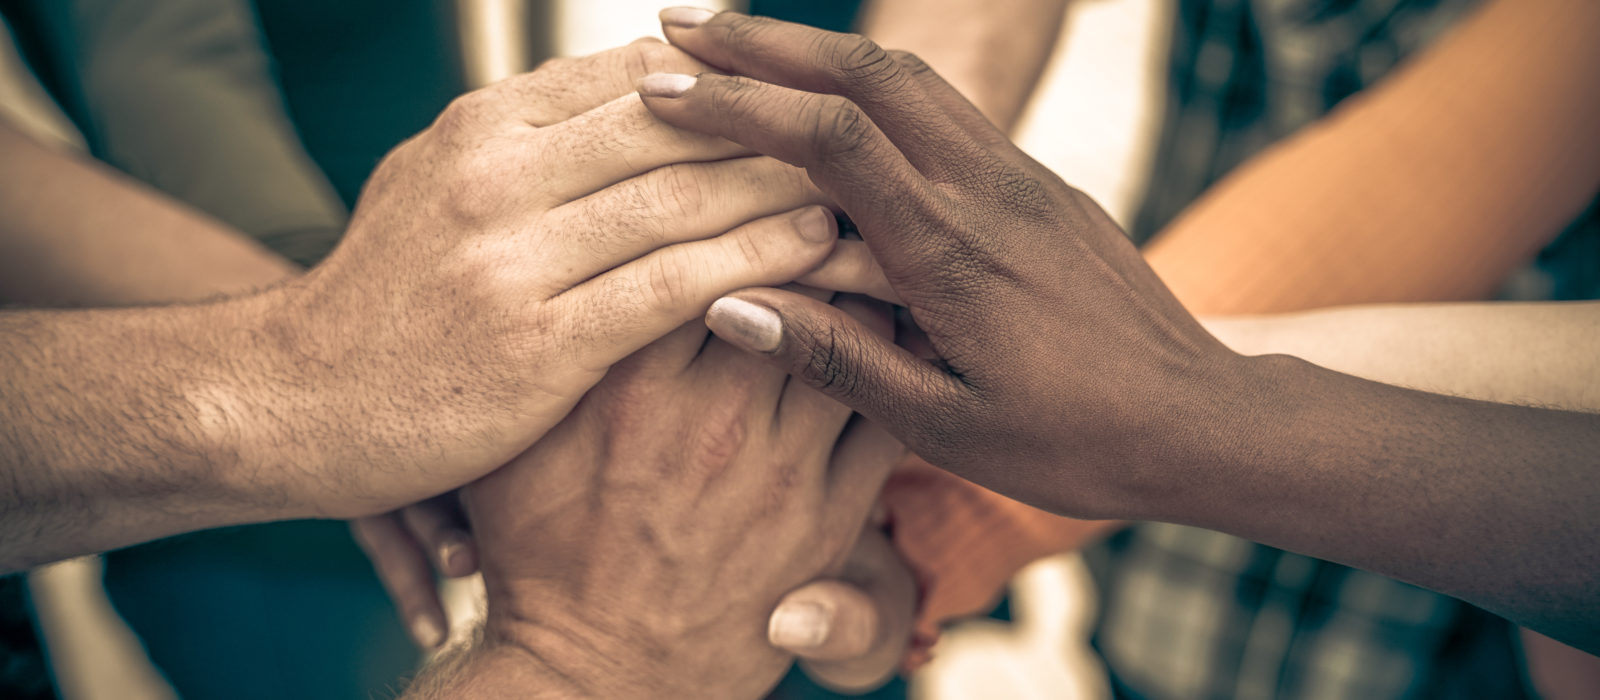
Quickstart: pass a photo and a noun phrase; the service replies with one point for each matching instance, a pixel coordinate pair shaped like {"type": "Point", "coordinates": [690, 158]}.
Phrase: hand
{"type": "Point", "coordinates": [495, 267]}
{"type": "Point", "coordinates": [638, 548]}
{"type": "Point", "coordinates": [849, 632]}
{"type": "Point", "coordinates": [1064, 373]}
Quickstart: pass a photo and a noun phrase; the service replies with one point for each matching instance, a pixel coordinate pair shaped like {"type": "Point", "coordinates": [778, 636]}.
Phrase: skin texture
{"type": "Point", "coordinates": [492, 271]}
{"type": "Point", "coordinates": [1310, 223]}
{"type": "Point", "coordinates": [1059, 354]}
{"type": "Point", "coordinates": [409, 545]}
{"type": "Point", "coordinates": [636, 549]}
{"type": "Point", "coordinates": [59, 254]}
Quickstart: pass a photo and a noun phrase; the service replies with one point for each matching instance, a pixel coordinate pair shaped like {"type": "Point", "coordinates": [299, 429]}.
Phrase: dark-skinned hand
{"type": "Point", "coordinates": [1061, 370]}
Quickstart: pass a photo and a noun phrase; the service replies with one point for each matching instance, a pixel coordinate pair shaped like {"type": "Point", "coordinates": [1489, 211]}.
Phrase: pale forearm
{"type": "Point", "coordinates": [121, 426]}
{"type": "Point", "coordinates": [1539, 354]}
{"type": "Point", "coordinates": [993, 52]}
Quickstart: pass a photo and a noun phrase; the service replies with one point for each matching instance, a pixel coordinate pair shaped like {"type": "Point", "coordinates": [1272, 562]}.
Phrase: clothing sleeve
{"type": "Point", "coordinates": [181, 94]}
{"type": "Point", "coordinates": [1432, 186]}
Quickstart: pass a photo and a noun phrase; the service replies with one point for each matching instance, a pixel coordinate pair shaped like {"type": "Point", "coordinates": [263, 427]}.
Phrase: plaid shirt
{"type": "Point", "coordinates": [1189, 613]}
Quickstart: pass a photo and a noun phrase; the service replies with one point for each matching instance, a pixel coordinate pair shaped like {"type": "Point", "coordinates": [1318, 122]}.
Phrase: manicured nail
{"type": "Point", "coordinates": [686, 17]}
{"type": "Point", "coordinates": [815, 224]}
{"type": "Point", "coordinates": [798, 626]}
{"type": "Point", "coordinates": [426, 632]}
{"type": "Point", "coordinates": [665, 84]}
{"type": "Point", "coordinates": [752, 326]}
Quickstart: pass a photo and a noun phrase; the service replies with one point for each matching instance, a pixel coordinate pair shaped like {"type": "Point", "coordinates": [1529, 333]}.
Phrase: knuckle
{"type": "Point", "coordinates": [861, 62]}
{"type": "Point", "coordinates": [468, 113]}
{"type": "Point", "coordinates": [644, 56]}
{"type": "Point", "coordinates": [668, 279]}
{"type": "Point", "coordinates": [828, 367]}
{"type": "Point", "coordinates": [732, 96]}
{"type": "Point", "coordinates": [840, 128]}
{"type": "Point", "coordinates": [751, 250]}
{"type": "Point", "coordinates": [678, 191]}
{"type": "Point", "coordinates": [910, 62]}
{"type": "Point", "coordinates": [741, 34]}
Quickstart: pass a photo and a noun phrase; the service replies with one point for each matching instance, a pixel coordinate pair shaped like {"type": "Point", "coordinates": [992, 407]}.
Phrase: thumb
{"type": "Point", "coordinates": [835, 354]}
{"type": "Point", "coordinates": [850, 633]}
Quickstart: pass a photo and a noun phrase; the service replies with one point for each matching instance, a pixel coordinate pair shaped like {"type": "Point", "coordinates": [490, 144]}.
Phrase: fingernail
{"type": "Point", "coordinates": [752, 326]}
{"type": "Point", "coordinates": [816, 225]}
{"type": "Point", "coordinates": [453, 556]}
{"type": "Point", "coordinates": [686, 17]}
{"type": "Point", "coordinates": [799, 626]}
{"type": "Point", "coordinates": [427, 633]}
{"type": "Point", "coordinates": [665, 84]}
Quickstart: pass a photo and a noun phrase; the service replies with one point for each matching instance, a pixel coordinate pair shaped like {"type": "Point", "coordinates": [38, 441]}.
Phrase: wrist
{"type": "Point", "coordinates": [582, 658]}
{"type": "Point", "coordinates": [1207, 426]}
{"type": "Point", "coordinates": [270, 417]}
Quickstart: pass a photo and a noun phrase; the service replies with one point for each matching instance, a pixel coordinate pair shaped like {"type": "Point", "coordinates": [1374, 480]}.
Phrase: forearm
{"type": "Point", "coordinates": [77, 234]}
{"type": "Point", "coordinates": [1487, 147]}
{"type": "Point", "coordinates": [1531, 354]}
{"type": "Point", "coordinates": [993, 52]}
{"type": "Point", "coordinates": [121, 426]}
{"type": "Point", "coordinates": [1488, 502]}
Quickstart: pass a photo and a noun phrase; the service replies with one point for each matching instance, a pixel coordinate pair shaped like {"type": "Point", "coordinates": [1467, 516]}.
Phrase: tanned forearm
{"type": "Point", "coordinates": [113, 427]}
{"type": "Point", "coordinates": [1491, 503]}
{"type": "Point", "coordinates": [993, 52]}
{"type": "Point", "coordinates": [120, 426]}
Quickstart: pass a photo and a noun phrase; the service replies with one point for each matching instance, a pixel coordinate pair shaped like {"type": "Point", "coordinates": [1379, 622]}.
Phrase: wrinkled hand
{"type": "Point", "coordinates": [638, 548]}
{"type": "Point", "coordinates": [1064, 373]}
{"type": "Point", "coordinates": [498, 263]}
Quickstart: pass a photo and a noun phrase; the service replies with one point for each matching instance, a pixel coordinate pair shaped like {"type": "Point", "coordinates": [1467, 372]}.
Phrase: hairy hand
{"type": "Point", "coordinates": [1060, 363]}
{"type": "Point", "coordinates": [638, 549]}
{"type": "Point", "coordinates": [499, 262]}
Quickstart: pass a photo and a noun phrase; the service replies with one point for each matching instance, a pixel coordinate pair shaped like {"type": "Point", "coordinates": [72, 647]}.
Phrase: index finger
{"type": "Point", "coordinates": [842, 150]}
{"type": "Point", "coordinates": [562, 88]}
{"type": "Point", "coordinates": [849, 65]}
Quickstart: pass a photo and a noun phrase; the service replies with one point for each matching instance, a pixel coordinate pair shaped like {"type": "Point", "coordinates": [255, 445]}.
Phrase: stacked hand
{"type": "Point", "coordinates": [637, 548]}
{"type": "Point", "coordinates": [1003, 266]}
{"type": "Point", "coordinates": [499, 262]}
{"type": "Point", "coordinates": [849, 637]}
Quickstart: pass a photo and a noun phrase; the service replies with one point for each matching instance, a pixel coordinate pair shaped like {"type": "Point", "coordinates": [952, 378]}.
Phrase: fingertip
{"type": "Point", "coordinates": [799, 626]}
{"type": "Point", "coordinates": [685, 17]}
{"type": "Point", "coordinates": [825, 621]}
{"type": "Point", "coordinates": [426, 632]}
{"type": "Point", "coordinates": [665, 85]}
{"type": "Point", "coordinates": [457, 555]}
{"type": "Point", "coordinates": [817, 225]}
{"type": "Point", "coordinates": [745, 324]}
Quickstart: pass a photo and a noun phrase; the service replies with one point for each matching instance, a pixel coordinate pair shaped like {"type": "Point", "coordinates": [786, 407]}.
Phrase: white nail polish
{"type": "Point", "coordinates": [686, 17]}
{"type": "Point", "coordinates": [751, 326]}
{"type": "Point", "coordinates": [665, 84]}
{"type": "Point", "coordinates": [799, 626]}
